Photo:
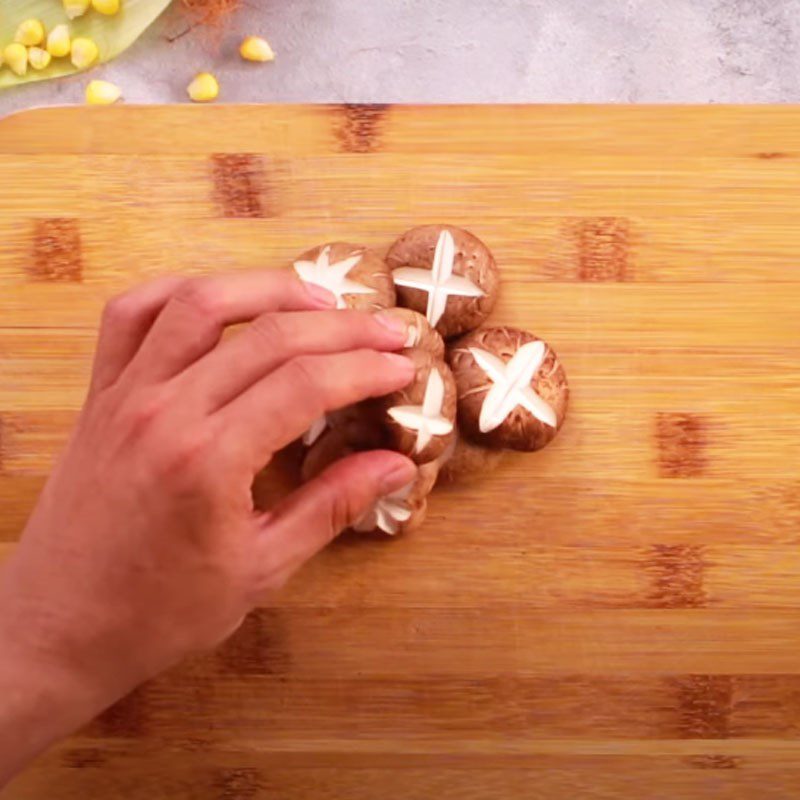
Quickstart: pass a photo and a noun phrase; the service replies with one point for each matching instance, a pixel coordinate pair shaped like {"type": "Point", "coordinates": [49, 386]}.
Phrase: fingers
{"type": "Point", "coordinates": [126, 321]}
{"type": "Point", "coordinates": [278, 408]}
{"type": "Point", "coordinates": [196, 315]}
{"type": "Point", "coordinates": [321, 509]}
{"type": "Point", "coordinates": [273, 339]}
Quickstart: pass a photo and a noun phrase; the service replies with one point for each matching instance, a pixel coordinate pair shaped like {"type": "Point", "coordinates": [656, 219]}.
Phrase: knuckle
{"type": "Point", "coordinates": [271, 573]}
{"type": "Point", "coordinates": [146, 408]}
{"type": "Point", "coordinates": [351, 318]}
{"type": "Point", "coordinates": [120, 310]}
{"type": "Point", "coordinates": [305, 376]}
{"type": "Point", "coordinates": [187, 456]}
{"type": "Point", "coordinates": [341, 510]}
{"type": "Point", "coordinates": [309, 387]}
{"type": "Point", "coordinates": [268, 330]}
{"type": "Point", "coordinates": [200, 295]}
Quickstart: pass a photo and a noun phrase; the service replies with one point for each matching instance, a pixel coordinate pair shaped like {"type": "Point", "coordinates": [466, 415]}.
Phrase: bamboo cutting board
{"type": "Point", "coordinates": [615, 617]}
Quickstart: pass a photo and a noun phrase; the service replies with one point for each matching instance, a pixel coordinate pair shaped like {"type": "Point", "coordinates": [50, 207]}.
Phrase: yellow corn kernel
{"type": "Point", "coordinates": [254, 48]}
{"type": "Point", "coordinates": [58, 41]}
{"type": "Point", "coordinates": [204, 88]}
{"type": "Point", "coordinates": [76, 8]}
{"type": "Point", "coordinates": [84, 53]}
{"type": "Point", "coordinates": [102, 93]}
{"type": "Point", "coordinates": [38, 58]}
{"type": "Point", "coordinates": [16, 56]}
{"type": "Point", "coordinates": [30, 33]}
{"type": "Point", "coordinates": [109, 7]}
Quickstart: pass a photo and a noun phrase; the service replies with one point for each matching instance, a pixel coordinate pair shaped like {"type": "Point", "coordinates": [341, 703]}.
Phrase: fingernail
{"type": "Point", "coordinates": [401, 363]}
{"type": "Point", "coordinates": [394, 324]}
{"type": "Point", "coordinates": [399, 475]}
{"type": "Point", "coordinates": [320, 295]}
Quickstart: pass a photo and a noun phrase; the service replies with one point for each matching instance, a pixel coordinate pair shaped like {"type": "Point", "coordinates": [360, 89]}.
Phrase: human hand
{"type": "Point", "coordinates": [145, 545]}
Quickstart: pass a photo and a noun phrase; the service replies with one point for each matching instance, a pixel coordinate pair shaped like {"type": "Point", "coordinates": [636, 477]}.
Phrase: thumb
{"type": "Point", "coordinates": [321, 509]}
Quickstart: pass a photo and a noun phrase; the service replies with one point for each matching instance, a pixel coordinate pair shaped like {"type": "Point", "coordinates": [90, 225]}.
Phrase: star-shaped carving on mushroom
{"type": "Point", "coordinates": [438, 281]}
{"type": "Point", "coordinates": [388, 513]}
{"type": "Point", "coordinates": [511, 385]}
{"type": "Point", "coordinates": [332, 277]}
{"type": "Point", "coordinates": [427, 420]}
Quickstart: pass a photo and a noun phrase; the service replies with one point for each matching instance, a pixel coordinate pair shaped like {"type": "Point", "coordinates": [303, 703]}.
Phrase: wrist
{"type": "Point", "coordinates": [47, 694]}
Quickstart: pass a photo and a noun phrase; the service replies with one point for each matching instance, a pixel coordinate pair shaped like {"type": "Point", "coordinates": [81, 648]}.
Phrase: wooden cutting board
{"type": "Point", "coordinates": [615, 617]}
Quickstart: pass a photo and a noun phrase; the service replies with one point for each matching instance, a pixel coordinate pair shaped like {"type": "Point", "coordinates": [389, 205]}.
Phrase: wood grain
{"type": "Point", "coordinates": [615, 617]}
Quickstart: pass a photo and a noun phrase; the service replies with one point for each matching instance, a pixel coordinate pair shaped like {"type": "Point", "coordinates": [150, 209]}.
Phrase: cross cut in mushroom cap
{"type": "Point", "coordinates": [511, 386]}
{"type": "Point", "coordinates": [426, 419]}
{"type": "Point", "coordinates": [512, 389]}
{"type": "Point", "coordinates": [404, 510]}
{"type": "Point", "coordinates": [446, 273]}
{"type": "Point", "coordinates": [438, 281]}
{"type": "Point", "coordinates": [388, 513]}
{"type": "Point", "coordinates": [418, 420]}
{"type": "Point", "coordinates": [356, 276]}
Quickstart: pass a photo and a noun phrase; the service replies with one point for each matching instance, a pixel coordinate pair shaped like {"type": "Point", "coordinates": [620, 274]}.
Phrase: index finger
{"type": "Point", "coordinates": [277, 409]}
{"type": "Point", "coordinates": [193, 320]}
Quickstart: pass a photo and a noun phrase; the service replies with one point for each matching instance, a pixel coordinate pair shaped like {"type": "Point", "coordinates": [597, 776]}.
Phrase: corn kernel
{"type": "Point", "coordinates": [109, 7]}
{"type": "Point", "coordinates": [58, 41]}
{"type": "Point", "coordinates": [30, 33]}
{"type": "Point", "coordinates": [84, 53]}
{"type": "Point", "coordinates": [76, 8]}
{"type": "Point", "coordinates": [204, 88]}
{"type": "Point", "coordinates": [38, 58]}
{"type": "Point", "coordinates": [102, 93]}
{"type": "Point", "coordinates": [254, 48]}
{"type": "Point", "coordinates": [16, 56]}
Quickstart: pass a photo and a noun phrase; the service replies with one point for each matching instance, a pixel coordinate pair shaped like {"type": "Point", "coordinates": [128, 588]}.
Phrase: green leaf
{"type": "Point", "coordinates": [111, 34]}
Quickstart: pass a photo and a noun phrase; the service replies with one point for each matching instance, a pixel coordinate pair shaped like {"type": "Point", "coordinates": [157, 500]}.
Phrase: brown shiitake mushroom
{"type": "Point", "coordinates": [357, 276]}
{"type": "Point", "coordinates": [420, 418]}
{"type": "Point", "coordinates": [446, 273]}
{"type": "Point", "coordinates": [512, 389]}
{"type": "Point", "coordinates": [402, 511]}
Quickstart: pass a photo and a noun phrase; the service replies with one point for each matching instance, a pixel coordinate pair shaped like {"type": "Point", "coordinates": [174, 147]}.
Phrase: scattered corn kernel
{"type": "Point", "coordinates": [58, 41]}
{"type": "Point", "coordinates": [84, 53]}
{"type": "Point", "coordinates": [106, 6]}
{"type": "Point", "coordinates": [254, 48]}
{"type": "Point", "coordinates": [38, 58]}
{"type": "Point", "coordinates": [16, 56]}
{"type": "Point", "coordinates": [102, 93]}
{"type": "Point", "coordinates": [76, 8]}
{"type": "Point", "coordinates": [204, 88]}
{"type": "Point", "coordinates": [30, 33]}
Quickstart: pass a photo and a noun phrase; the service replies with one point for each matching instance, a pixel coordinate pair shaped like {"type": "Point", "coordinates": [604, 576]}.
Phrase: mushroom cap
{"type": "Point", "coordinates": [420, 419]}
{"type": "Point", "coordinates": [487, 411]}
{"type": "Point", "coordinates": [473, 261]}
{"type": "Point", "coordinates": [413, 499]}
{"type": "Point", "coordinates": [369, 277]}
{"type": "Point", "coordinates": [416, 513]}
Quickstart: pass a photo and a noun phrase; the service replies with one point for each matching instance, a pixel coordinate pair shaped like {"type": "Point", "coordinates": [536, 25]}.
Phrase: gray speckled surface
{"type": "Point", "coordinates": [696, 51]}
